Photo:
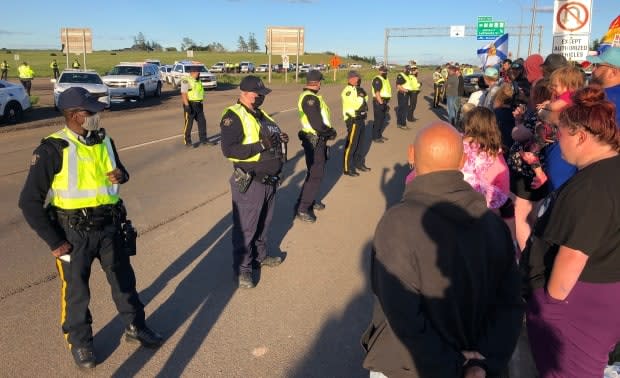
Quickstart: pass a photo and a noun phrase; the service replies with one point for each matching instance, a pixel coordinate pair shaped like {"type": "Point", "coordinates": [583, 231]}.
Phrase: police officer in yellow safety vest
{"type": "Point", "coordinates": [256, 146]}
{"type": "Point", "coordinates": [79, 170]}
{"type": "Point", "coordinates": [54, 67]}
{"type": "Point", "coordinates": [404, 85]}
{"type": "Point", "coordinates": [192, 95]}
{"type": "Point", "coordinates": [416, 85]}
{"type": "Point", "coordinates": [382, 92]}
{"type": "Point", "coordinates": [315, 131]}
{"type": "Point", "coordinates": [26, 74]}
{"type": "Point", "coordinates": [355, 111]}
{"type": "Point", "coordinates": [438, 86]}
{"type": "Point", "coordinates": [76, 64]}
{"type": "Point", "coordinates": [4, 70]}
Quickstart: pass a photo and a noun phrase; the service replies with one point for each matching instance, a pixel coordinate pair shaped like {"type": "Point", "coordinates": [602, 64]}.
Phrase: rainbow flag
{"type": "Point", "coordinates": [612, 37]}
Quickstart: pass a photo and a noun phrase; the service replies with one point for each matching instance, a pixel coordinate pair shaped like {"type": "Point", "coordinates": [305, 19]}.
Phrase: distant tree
{"type": "Point", "coordinates": [329, 53]}
{"type": "Point", "coordinates": [216, 47]}
{"type": "Point", "coordinates": [252, 44]}
{"type": "Point", "coordinates": [170, 49]}
{"type": "Point", "coordinates": [187, 43]}
{"type": "Point", "coordinates": [366, 59]}
{"type": "Point", "coordinates": [241, 45]}
{"type": "Point", "coordinates": [139, 42]}
{"type": "Point", "coordinates": [596, 43]}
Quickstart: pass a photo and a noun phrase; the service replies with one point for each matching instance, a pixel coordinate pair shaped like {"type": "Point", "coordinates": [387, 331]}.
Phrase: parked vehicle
{"type": "Point", "coordinates": [246, 67]}
{"type": "Point", "coordinates": [470, 83]}
{"type": "Point", "coordinates": [262, 67]}
{"type": "Point", "coordinates": [181, 69]}
{"type": "Point", "coordinates": [305, 68]}
{"type": "Point", "coordinates": [87, 79]}
{"type": "Point", "coordinates": [165, 72]}
{"type": "Point", "coordinates": [218, 67]}
{"type": "Point", "coordinates": [134, 80]}
{"type": "Point", "coordinates": [355, 65]}
{"type": "Point", "coordinates": [13, 102]}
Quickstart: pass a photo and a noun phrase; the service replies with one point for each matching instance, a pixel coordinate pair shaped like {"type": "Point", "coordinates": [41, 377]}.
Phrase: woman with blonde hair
{"type": "Point", "coordinates": [572, 260]}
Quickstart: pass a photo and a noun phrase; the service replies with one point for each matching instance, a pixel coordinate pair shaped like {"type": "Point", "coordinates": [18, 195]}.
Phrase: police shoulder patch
{"type": "Point", "coordinates": [227, 121]}
{"type": "Point", "coordinates": [310, 101]}
{"type": "Point", "coordinates": [35, 158]}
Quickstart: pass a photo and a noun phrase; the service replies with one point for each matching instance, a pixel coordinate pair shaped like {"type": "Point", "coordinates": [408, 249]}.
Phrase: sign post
{"type": "Point", "coordinates": [572, 21]}
{"type": "Point", "coordinates": [283, 40]}
{"type": "Point", "coordinates": [335, 63]}
{"type": "Point", "coordinates": [78, 40]}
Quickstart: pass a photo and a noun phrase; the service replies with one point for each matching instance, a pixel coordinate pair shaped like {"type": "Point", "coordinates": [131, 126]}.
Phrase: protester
{"type": "Point", "coordinates": [573, 259]}
{"type": "Point", "coordinates": [533, 68]}
{"type": "Point", "coordinates": [446, 286]}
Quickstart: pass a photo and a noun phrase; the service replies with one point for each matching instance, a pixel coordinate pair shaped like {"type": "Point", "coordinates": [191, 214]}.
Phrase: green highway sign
{"type": "Point", "coordinates": [488, 29]}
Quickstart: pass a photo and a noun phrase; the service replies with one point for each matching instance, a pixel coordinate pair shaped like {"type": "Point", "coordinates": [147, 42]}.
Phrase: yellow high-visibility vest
{"type": "Point", "coordinates": [386, 88]}
{"type": "Point", "coordinates": [196, 92]}
{"type": "Point", "coordinates": [25, 72]}
{"type": "Point", "coordinates": [305, 123]}
{"type": "Point", "coordinates": [351, 101]}
{"type": "Point", "coordinates": [83, 181]}
{"type": "Point", "coordinates": [251, 128]}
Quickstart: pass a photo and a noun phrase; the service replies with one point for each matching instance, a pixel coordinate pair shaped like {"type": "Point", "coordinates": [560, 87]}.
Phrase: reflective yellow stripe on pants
{"type": "Point", "coordinates": [63, 296]}
{"type": "Point", "coordinates": [348, 149]}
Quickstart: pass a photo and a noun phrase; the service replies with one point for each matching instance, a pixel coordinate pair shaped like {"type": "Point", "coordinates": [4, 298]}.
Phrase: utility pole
{"type": "Point", "coordinates": [385, 47]}
{"type": "Point", "coordinates": [532, 28]}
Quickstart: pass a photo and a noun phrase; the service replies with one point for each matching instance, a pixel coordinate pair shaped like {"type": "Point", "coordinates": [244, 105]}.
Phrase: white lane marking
{"type": "Point", "coordinates": [180, 135]}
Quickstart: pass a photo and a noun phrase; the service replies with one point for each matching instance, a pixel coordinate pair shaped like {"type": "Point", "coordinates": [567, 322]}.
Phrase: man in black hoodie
{"type": "Point", "coordinates": [443, 272]}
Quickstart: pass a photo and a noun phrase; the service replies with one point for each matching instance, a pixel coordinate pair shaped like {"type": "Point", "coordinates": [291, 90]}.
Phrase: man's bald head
{"type": "Point", "coordinates": [438, 147]}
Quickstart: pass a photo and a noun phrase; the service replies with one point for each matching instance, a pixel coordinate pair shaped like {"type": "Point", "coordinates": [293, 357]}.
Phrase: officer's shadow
{"type": "Point", "coordinates": [202, 294]}
{"type": "Point", "coordinates": [439, 111]}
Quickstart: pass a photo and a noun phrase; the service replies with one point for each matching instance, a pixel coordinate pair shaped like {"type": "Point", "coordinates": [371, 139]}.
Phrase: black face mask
{"type": "Point", "coordinates": [94, 137]}
{"type": "Point", "coordinates": [258, 101]}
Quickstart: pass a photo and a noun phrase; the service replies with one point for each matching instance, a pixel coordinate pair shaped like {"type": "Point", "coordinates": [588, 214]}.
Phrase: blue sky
{"type": "Point", "coordinates": [342, 26]}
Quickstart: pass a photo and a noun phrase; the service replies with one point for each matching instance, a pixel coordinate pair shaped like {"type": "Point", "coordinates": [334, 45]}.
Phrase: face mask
{"type": "Point", "coordinates": [94, 137]}
{"type": "Point", "coordinates": [91, 123]}
{"type": "Point", "coordinates": [258, 101]}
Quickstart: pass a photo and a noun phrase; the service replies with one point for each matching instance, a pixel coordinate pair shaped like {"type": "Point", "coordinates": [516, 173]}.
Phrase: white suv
{"type": "Point", "coordinates": [13, 101]}
{"type": "Point", "coordinates": [246, 67]}
{"type": "Point", "coordinates": [134, 80]}
{"type": "Point", "coordinates": [87, 79]}
{"type": "Point", "coordinates": [218, 67]}
{"type": "Point", "coordinates": [180, 70]}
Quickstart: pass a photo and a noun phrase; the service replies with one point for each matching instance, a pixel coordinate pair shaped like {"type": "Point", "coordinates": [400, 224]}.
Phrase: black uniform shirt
{"type": "Point", "coordinates": [45, 164]}
{"type": "Point", "coordinates": [400, 80]}
{"type": "Point", "coordinates": [311, 106]}
{"type": "Point", "coordinates": [233, 147]}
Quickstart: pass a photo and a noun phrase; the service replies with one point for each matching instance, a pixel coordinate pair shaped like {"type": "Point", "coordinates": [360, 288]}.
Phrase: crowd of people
{"type": "Point", "coordinates": [527, 180]}
{"type": "Point", "coordinates": [539, 146]}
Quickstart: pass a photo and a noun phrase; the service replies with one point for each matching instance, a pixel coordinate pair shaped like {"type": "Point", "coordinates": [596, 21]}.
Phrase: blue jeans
{"type": "Point", "coordinates": [453, 108]}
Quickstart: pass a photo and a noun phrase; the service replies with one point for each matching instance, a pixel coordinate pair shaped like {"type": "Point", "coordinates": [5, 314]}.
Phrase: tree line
{"type": "Point", "coordinates": [140, 43]}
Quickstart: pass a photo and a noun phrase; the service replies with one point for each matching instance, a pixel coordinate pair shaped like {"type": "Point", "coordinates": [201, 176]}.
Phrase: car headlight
{"type": "Point", "coordinates": [132, 84]}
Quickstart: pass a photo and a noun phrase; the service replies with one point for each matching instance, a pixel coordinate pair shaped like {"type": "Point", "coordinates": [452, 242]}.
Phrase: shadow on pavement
{"type": "Point", "coordinates": [202, 295]}
{"type": "Point", "coordinates": [440, 111]}
{"type": "Point", "coordinates": [337, 351]}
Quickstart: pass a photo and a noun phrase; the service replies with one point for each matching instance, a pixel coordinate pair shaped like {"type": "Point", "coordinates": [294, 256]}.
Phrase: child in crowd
{"type": "Point", "coordinates": [563, 83]}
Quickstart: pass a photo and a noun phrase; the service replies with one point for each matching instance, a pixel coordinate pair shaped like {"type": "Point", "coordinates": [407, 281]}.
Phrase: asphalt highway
{"type": "Point", "coordinates": [304, 318]}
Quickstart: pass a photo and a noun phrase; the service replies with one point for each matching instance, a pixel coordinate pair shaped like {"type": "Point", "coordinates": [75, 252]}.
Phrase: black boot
{"type": "Point", "coordinates": [84, 357]}
{"type": "Point", "coordinates": [145, 336]}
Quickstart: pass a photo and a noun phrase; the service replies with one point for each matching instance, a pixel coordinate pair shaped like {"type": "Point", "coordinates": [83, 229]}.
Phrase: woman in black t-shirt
{"type": "Point", "coordinates": [572, 261]}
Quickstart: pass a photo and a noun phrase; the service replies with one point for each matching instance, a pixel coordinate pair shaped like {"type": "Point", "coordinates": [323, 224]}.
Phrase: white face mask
{"type": "Point", "coordinates": [92, 123]}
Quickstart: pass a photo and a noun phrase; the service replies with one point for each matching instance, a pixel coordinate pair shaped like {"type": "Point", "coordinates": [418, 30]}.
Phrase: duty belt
{"type": "Point", "coordinates": [266, 179]}
{"type": "Point", "coordinates": [89, 218]}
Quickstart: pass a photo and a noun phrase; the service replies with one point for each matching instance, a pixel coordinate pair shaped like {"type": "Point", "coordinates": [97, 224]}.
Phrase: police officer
{"type": "Point", "coordinates": [315, 131]}
{"type": "Point", "coordinates": [355, 111]}
{"type": "Point", "coordinates": [75, 65]}
{"type": "Point", "coordinates": [404, 85]}
{"type": "Point", "coordinates": [192, 95]}
{"type": "Point", "coordinates": [438, 86]}
{"type": "Point", "coordinates": [54, 67]}
{"type": "Point", "coordinates": [252, 140]}
{"type": "Point", "coordinates": [382, 92]}
{"type": "Point", "coordinates": [413, 93]}
{"type": "Point", "coordinates": [4, 70]}
{"type": "Point", "coordinates": [26, 74]}
{"type": "Point", "coordinates": [80, 169]}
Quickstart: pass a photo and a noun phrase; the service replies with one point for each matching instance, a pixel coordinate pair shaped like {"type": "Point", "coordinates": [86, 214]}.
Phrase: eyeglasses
{"type": "Point", "coordinates": [597, 65]}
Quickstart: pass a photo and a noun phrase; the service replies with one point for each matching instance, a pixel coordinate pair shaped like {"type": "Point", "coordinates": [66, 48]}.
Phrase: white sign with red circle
{"type": "Point", "coordinates": [572, 17]}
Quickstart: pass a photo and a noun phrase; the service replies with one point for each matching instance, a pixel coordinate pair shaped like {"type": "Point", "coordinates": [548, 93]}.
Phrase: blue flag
{"type": "Point", "coordinates": [495, 52]}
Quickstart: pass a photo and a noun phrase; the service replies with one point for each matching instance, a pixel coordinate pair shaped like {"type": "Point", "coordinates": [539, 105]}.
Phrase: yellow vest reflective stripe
{"type": "Point", "coordinates": [251, 128]}
{"type": "Point", "coordinates": [305, 123]}
{"type": "Point", "coordinates": [83, 181]}
{"type": "Point", "coordinates": [197, 92]}
{"type": "Point", "coordinates": [54, 65]}
{"type": "Point", "coordinates": [386, 88]}
{"type": "Point", "coordinates": [408, 84]}
{"type": "Point", "coordinates": [25, 72]}
{"type": "Point", "coordinates": [415, 84]}
{"type": "Point", "coordinates": [4, 66]}
{"type": "Point", "coordinates": [350, 101]}
{"type": "Point", "coordinates": [438, 77]}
